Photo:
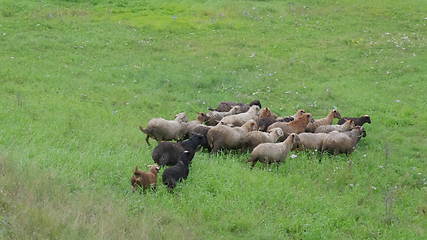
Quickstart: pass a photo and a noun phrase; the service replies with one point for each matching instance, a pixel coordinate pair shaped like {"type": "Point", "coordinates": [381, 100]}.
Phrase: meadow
{"type": "Point", "coordinates": [78, 77]}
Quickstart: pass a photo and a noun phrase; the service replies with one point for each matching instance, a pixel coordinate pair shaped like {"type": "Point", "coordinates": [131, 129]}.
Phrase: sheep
{"type": "Point", "coordinates": [226, 106]}
{"type": "Point", "coordinates": [264, 123]}
{"type": "Point", "coordinates": [310, 141]}
{"type": "Point", "coordinates": [343, 142]}
{"type": "Point", "coordinates": [347, 126]}
{"type": "Point", "coordinates": [357, 121]}
{"type": "Point", "coordinates": [296, 126]}
{"type": "Point", "coordinates": [214, 117]}
{"type": "Point", "coordinates": [167, 153]}
{"type": "Point", "coordinates": [255, 138]}
{"type": "Point", "coordinates": [161, 129]}
{"type": "Point", "coordinates": [226, 137]}
{"type": "Point", "coordinates": [323, 121]}
{"type": "Point", "coordinates": [241, 118]}
{"type": "Point", "coordinates": [201, 118]}
{"type": "Point", "coordinates": [203, 131]}
{"type": "Point", "coordinates": [144, 179]}
{"type": "Point", "coordinates": [265, 119]}
{"type": "Point", "coordinates": [273, 152]}
{"type": "Point", "coordinates": [178, 172]}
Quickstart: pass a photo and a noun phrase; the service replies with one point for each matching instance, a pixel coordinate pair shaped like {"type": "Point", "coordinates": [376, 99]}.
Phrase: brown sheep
{"type": "Point", "coordinates": [165, 130]}
{"type": "Point", "coordinates": [226, 106]}
{"type": "Point", "coordinates": [343, 142]}
{"type": "Point", "coordinates": [264, 123]}
{"type": "Point", "coordinates": [201, 118]}
{"type": "Point", "coordinates": [214, 117]}
{"type": "Point", "coordinates": [347, 126]}
{"type": "Point", "coordinates": [145, 179]}
{"type": "Point", "coordinates": [241, 118]}
{"type": "Point", "coordinates": [323, 121]}
{"type": "Point", "coordinates": [273, 152]}
{"type": "Point", "coordinates": [296, 126]}
{"type": "Point", "coordinates": [226, 137]}
{"type": "Point", "coordinates": [255, 138]}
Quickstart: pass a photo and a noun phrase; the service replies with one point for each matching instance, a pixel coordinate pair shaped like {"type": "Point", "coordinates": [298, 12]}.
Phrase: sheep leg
{"type": "Point", "coordinates": [146, 139]}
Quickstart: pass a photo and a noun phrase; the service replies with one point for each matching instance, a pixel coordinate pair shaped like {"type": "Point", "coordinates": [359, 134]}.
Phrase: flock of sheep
{"type": "Point", "coordinates": [246, 127]}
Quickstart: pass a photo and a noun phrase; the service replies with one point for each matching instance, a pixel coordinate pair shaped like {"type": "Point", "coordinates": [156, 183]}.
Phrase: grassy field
{"type": "Point", "coordinates": [78, 77]}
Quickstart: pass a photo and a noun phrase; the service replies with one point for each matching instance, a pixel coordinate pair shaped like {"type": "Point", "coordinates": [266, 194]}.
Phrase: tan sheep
{"type": "Point", "coordinates": [241, 118]}
{"type": "Point", "coordinates": [201, 118]}
{"type": "Point", "coordinates": [273, 152]}
{"type": "Point", "coordinates": [226, 137]}
{"type": "Point", "coordinates": [310, 141]}
{"type": "Point", "coordinates": [165, 130]}
{"type": "Point", "coordinates": [323, 121]}
{"type": "Point", "coordinates": [296, 126]}
{"type": "Point", "coordinates": [255, 138]}
{"type": "Point", "coordinates": [214, 117]}
{"type": "Point", "coordinates": [343, 142]}
{"type": "Point", "coordinates": [347, 126]}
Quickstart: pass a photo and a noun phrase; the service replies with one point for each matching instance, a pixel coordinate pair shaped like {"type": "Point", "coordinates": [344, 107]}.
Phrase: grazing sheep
{"type": "Point", "coordinates": [214, 117]}
{"type": "Point", "coordinates": [323, 121]}
{"type": "Point", "coordinates": [165, 130]}
{"type": "Point", "coordinates": [144, 179]}
{"type": "Point", "coordinates": [347, 126]}
{"type": "Point", "coordinates": [310, 141]}
{"type": "Point", "coordinates": [255, 138]}
{"type": "Point", "coordinates": [296, 126]}
{"type": "Point", "coordinates": [179, 171]}
{"type": "Point", "coordinates": [226, 137]}
{"type": "Point", "coordinates": [167, 153]}
{"type": "Point", "coordinates": [357, 121]}
{"type": "Point", "coordinates": [203, 131]}
{"type": "Point", "coordinates": [343, 142]}
{"type": "Point", "coordinates": [241, 118]}
{"type": "Point", "coordinates": [226, 106]}
{"type": "Point", "coordinates": [273, 152]}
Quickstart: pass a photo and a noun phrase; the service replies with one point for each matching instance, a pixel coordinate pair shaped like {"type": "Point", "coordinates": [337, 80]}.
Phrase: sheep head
{"type": "Point", "coordinates": [336, 114]}
{"type": "Point", "coordinates": [366, 119]}
{"type": "Point", "coordinates": [255, 102]}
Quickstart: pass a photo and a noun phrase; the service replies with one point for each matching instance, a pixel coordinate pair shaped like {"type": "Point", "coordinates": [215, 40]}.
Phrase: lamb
{"type": "Point", "coordinates": [144, 179]}
{"type": "Point", "coordinates": [273, 152]}
{"type": "Point", "coordinates": [357, 121]}
{"type": "Point", "coordinates": [178, 172]}
{"type": "Point", "coordinates": [343, 142]}
{"type": "Point", "coordinates": [226, 106]}
{"type": "Point", "coordinates": [167, 153]}
{"type": "Point", "coordinates": [165, 130]}
{"type": "Point", "coordinates": [296, 126]}
{"type": "Point", "coordinates": [214, 117]}
{"type": "Point", "coordinates": [323, 121]}
{"type": "Point", "coordinates": [347, 126]}
{"type": "Point", "coordinates": [240, 119]}
{"type": "Point", "coordinates": [226, 137]}
{"type": "Point", "coordinates": [255, 138]}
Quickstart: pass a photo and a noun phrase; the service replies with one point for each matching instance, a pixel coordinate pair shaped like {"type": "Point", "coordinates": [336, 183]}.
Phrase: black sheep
{"type": "Point", "coordinates": [357, 121]}
{"type": "Point", "coordinates": [203, 131]}
{"type": "Point", "coordinates": [179, 171]}
{"type": "Point", "coordinates": [226, 106]}
{"type": "Point", "coordinates": [168, 153]}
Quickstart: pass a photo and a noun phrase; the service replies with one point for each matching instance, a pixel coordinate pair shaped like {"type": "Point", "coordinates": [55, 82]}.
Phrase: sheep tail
{"type": "Point", "coordinates": [145, 131]}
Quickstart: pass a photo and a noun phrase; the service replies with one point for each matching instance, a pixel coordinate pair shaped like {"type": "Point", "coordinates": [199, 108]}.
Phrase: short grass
{"type": "Point", "coordinates": [78, 77]}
